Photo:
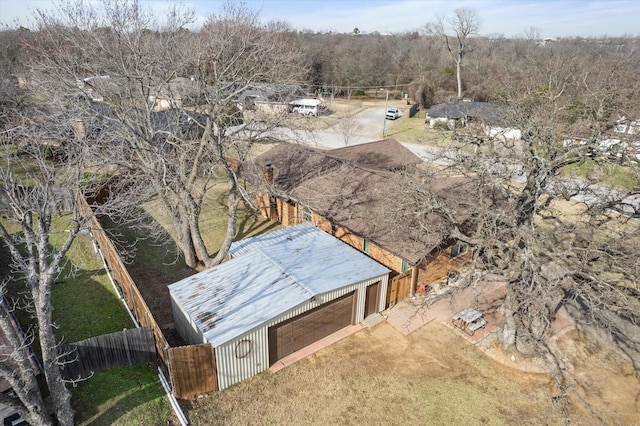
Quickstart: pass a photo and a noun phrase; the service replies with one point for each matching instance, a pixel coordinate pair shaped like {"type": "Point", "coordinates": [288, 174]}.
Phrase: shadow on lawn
{"type": "Point", "coordinates": [146, 247]}
{"type": "Point", "coordinates": [134, 392]}
{"type": "Point", "coordinates": [249, 222]}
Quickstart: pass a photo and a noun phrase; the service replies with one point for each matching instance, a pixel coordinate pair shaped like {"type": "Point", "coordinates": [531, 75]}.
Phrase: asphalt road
{"type": "Point", "coordinates": [372, 123]}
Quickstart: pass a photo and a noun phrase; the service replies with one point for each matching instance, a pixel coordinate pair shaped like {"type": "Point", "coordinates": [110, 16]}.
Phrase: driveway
{"type": "Point", "coordinates": [371, 122]}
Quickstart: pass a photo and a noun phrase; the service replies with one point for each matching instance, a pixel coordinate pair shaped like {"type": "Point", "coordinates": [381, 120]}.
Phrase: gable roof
{"type": "Point", "coordinates": [271, 274]}
{"type": "Point", "coordinates": [368, 201]}
{"type": "Point", "coordinates": [488, 112]}
{"type": "Point", "coordinates": [387, 154]}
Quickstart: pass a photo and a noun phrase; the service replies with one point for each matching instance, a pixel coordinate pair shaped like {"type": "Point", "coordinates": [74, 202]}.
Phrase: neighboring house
{"type": "Point", "coordinates": [161, 95]}
{"type": "Point", "coordinates": [355, 194]}
{"type": "Point", "coordinates": [495, 119]}
{"type": "Point", "coordinates": [618, 139]}
{"type": "Point", "coordinates": [280, 292]}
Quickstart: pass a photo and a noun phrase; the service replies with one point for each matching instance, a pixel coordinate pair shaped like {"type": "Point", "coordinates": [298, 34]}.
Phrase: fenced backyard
{"type": "Point", "coordinates": [181, 371]}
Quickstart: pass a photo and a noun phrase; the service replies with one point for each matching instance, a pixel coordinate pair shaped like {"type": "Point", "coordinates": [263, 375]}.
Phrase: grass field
{"type": "Point", "coordinates": [611, 174]}
{"type": "Point", "coordinates": [430, 377]}
{"type": "Point", "coordinates": [85, 305]}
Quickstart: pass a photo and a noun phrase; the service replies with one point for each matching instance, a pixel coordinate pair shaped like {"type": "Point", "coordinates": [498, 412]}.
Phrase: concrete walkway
{"type": "Point", "coordinates": [411, 314]}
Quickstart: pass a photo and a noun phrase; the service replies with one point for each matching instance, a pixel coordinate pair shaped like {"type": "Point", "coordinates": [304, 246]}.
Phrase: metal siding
{"type": "Point", "coordinates": [185, 326]}
{"type": "Point", "coordinates": [278, 274]}
{"type": "Point", "coordinates": [384, 284]}
{"type": "Point", "coordinates": [232, 370]}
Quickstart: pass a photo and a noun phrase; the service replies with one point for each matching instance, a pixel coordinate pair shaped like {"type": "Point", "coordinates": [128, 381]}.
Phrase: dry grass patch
{"type": "Point", "coordinates": [375, 377]}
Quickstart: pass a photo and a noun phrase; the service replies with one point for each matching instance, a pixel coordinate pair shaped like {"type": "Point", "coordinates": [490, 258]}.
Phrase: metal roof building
{"type": "Point", "coordinates": [280, 292]}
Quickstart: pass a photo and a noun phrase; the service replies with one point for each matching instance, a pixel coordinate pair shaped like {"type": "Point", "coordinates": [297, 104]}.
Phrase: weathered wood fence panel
{"type": "Point", "coordinates": [101, 353]}
{"type": "Point", "coordinates": [127, 287]}
{"type": "Point", "coordinates": [192, 370]}
{"type": "Point", "coordinates": [399, 288]}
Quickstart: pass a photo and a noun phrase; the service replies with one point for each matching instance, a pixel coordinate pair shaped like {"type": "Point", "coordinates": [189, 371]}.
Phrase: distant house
{"type": "Point", "coordinates": [280, 292]}
{"type": "Point", "coordinates": [269, 97]}
{"type": "Point", "coordinates": [496, 119]}
{"type": "Point", "coordinates": [355, 194]}
{"type": "Point", "coordinates": [619, 139]}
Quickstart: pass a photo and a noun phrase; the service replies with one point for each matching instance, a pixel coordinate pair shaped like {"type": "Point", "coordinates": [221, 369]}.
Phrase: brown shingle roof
{"type": "Point", "coordinates": [369, 199]}
{"type": "Point", "coordinates": [386, 154]}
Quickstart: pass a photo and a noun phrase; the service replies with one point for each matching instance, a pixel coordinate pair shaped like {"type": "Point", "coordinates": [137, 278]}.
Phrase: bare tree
{"type": "Point", "coordinates": [553, 258]}
{"type": "Point", "coordinates": [348, 127]}
{"type": "Point", "coordinates": [42, 172]}
{"type": "Point", "coordinates": [463, 25]}
{"type": "Point", "coordinates": [173, 105]}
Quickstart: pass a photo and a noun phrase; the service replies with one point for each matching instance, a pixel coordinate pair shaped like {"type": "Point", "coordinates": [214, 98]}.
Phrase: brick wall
{"type": "Point", "coordinates": [376, 252]}
{"type": "Point", "coordinates": [436, 266]}
{"type": "Point", "coordinates": [433, 268]}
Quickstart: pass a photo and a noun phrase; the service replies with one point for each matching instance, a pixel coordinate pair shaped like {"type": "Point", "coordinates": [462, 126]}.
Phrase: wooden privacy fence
{"type": "Point", "coordinates": [193, 369]}
{"type": "Point", "coordinates": [399, 288]}
{"type": "Point", "coordinates": [128, 347]}
{"type": "Point", "coordinates": [127, 287]}
{"type": "Point", "coordinates": [188, 373]}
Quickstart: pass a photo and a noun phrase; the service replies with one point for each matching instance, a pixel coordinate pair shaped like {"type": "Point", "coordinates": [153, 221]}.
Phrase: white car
{"type": "Point", "coordinates": [392, 113]}
{"type": "Point", "coordinates": [306, 110]}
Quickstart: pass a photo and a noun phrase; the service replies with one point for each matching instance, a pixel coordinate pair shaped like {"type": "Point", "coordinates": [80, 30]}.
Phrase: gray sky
{"type": "Point", "coordinates": [553, 18]}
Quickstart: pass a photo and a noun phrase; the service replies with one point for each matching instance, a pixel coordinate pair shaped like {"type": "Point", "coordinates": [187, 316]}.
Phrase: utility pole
{"type": "Point", "coordinates": [386, 105]}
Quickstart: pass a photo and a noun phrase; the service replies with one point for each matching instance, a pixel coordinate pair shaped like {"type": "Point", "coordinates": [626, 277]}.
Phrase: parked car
{"type": "Point", "coordinates": [306, 110]}
{"type": "Point", "coordinates": [392, 113]}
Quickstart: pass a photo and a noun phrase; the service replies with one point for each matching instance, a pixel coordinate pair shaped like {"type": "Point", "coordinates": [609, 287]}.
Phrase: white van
{"type": "Point", "coordinates": [307, 106]}
{"type": "Point", "coordinates": [306, 109]}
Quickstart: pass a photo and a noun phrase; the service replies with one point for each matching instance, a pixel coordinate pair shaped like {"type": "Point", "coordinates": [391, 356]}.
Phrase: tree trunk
{"type": "Point", "coordinates": [509, 326]}
{"type": "Point", "coordinates": [60, 397]}
{"type": "Point", "coordinates": [32, 408]}
{"type": "Point", "coordinates": [196, 238]}
{"type": "Point", "coordinates": [458, 76]}
{"type": "Point", "coordinates": [234, 201]}
{"type": "Point", "coordinates": [181, 226]}
{"type": "Point", "coordinates": [185, 240]}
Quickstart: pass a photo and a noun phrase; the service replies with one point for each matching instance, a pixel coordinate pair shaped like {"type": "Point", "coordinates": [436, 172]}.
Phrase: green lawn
{"type": "Point", "coordinates": [612, 174]}
{"type": "Point", "coordinates": [85, 305]}
{"type": "Point", "coordinates": [122, 396]}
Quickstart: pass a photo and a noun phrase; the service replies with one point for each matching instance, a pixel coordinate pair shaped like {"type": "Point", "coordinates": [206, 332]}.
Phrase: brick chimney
{"type": "Point", "coordinates": [267, 173]}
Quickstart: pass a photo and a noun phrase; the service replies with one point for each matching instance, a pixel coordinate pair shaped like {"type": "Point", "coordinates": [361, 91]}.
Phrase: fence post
{"type": "Point", "coordinates": [126, 346]}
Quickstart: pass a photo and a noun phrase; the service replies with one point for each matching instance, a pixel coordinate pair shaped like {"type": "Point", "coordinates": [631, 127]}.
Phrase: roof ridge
{"type": "Point", "coordinates": [288, 274]}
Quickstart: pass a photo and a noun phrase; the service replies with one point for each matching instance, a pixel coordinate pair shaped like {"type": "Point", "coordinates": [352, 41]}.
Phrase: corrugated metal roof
{"type": "Point", "coordinates": [270, 274]}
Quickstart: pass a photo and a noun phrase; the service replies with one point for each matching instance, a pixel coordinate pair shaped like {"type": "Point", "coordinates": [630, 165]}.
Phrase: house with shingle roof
{"type": "Point", "coordinates": [496, 119]}
{"type": "Point", "coordinates": [356, 194]}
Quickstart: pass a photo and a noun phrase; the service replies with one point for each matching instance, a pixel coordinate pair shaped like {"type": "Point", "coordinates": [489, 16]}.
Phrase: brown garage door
{"type": "Point", "coordinates": [371, 301]}
{"type": "Point", "coordinates": [296, 333]}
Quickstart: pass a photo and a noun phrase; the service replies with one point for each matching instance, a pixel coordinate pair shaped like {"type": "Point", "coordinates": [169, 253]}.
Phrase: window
{"type": "Point", "coordinates": [405, 266]}
{"type": "Point", "coordinates": [458, 249]}
{"type": "Point", "coordinates": [365, 245]}
{"type": "Point", "coordinates": [306, 214]}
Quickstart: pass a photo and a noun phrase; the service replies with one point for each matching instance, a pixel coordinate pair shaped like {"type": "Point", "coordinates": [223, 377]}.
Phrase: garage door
{"type": "Point", "coordinates": [294, 334]}
{"type": "Point", "coordinates": [371, 300]}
